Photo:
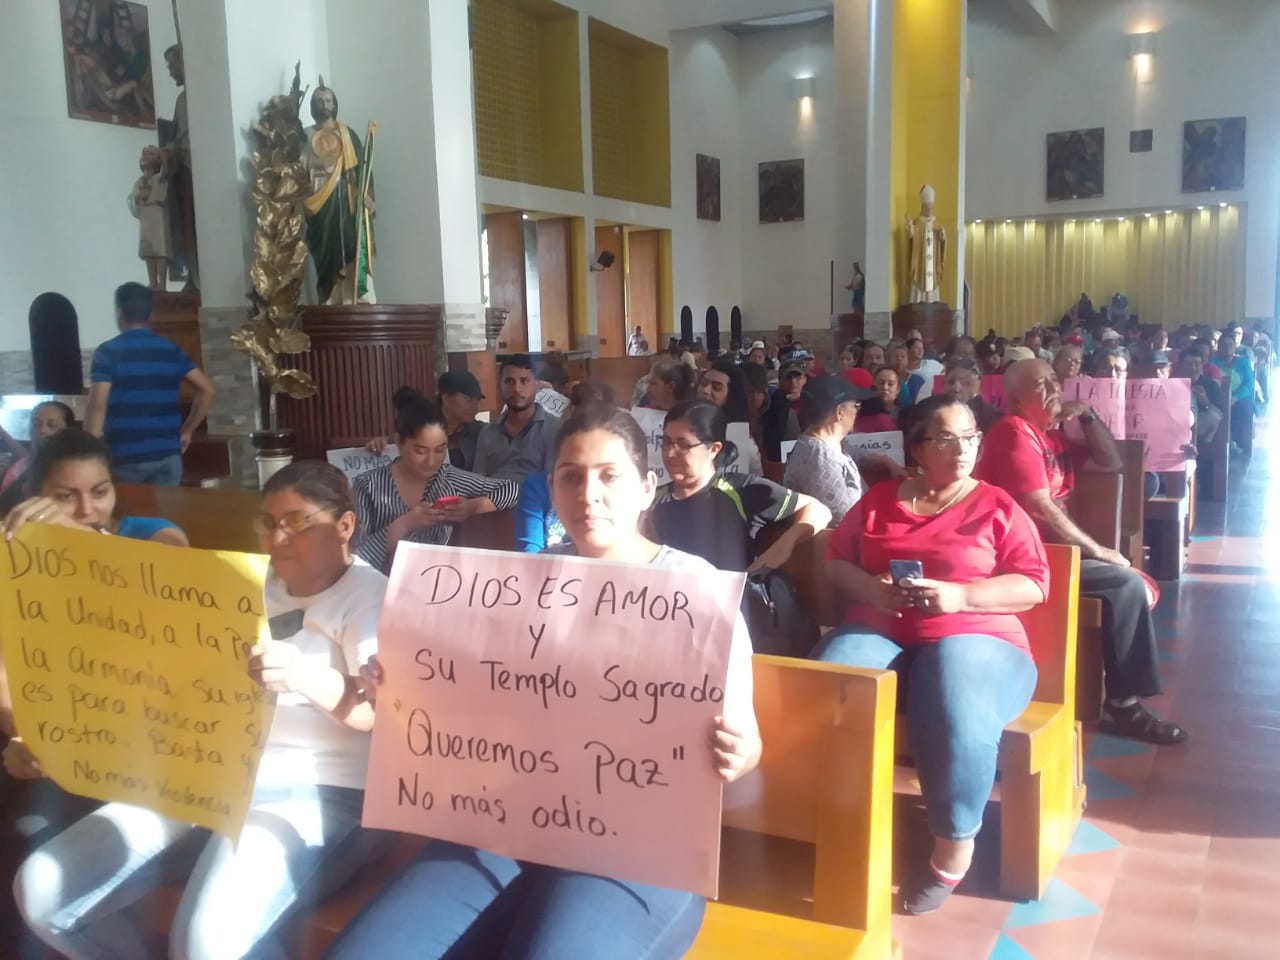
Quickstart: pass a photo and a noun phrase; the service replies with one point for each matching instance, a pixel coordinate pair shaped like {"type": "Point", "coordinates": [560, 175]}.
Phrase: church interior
{"type": "Point", "coordinates": [936, 327]}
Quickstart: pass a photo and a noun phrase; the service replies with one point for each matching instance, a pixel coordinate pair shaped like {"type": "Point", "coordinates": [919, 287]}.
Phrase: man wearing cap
{"type": "Point", "coordinates": [791, 382]}
{"type": "Point", "coordinates": [818, 465]}
{"type": "Point", "coordinates": [756, 354]}
{"type": "Point", "coordinates": [460, 397]}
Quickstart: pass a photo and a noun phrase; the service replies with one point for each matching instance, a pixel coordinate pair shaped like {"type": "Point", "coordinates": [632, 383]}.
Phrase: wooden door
{"type": "Point", "coordinates": [642, 284]}
{"type": "Point", "coordinates": [506, 278]}
{"type": "Point", "coordinates": [555, 285]}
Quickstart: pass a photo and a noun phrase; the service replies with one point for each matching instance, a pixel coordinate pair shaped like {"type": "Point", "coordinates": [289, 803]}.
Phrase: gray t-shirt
{"type": "Point", "coordinates": [828, 475]}
{"type": "Point", "coordinates": [504, 457]}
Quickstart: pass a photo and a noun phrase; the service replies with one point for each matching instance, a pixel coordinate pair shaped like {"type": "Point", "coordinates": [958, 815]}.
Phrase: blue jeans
{"type": "Point", "coordinates": [166, 472]}
{"type": "Point", "coordinates": [960, 693]}
{"type": "Point", "coordinates": [298, 843]}
{"type": "Point", "coordinates": [457, 903]}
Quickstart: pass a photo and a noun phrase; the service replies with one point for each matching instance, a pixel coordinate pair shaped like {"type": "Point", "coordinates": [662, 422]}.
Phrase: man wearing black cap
{"type": "Point", "coordinates": [818, 465]}
{"type": "Point", "coordinates": [460, 397]}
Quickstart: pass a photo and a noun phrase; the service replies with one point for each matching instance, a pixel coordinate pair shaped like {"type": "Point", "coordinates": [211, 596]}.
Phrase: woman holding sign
{"type": "Point", "coordinates": [460, 902]}
{"type": "Point", "coordinates": [303, 830]}
{"type": "Point", "coordinates": [935, 567]}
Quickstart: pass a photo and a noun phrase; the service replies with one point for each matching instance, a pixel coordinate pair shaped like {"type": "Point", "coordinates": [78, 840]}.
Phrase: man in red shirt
{"type": "Point", "coordinates": [1028, 454]}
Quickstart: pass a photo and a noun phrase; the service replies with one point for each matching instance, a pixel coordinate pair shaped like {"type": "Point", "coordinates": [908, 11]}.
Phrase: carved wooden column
{"type": "Point", "coordinates": [359, 355]}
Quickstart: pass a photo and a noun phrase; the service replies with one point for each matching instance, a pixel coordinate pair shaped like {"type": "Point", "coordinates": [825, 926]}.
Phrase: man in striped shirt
{"type": "Point", "coordinates": [133, 399]}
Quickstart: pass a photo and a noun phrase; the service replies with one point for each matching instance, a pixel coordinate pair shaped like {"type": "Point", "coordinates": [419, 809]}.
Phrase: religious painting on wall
{"type": "Point", "coordinates": [781, 191]}
{"type": "Point", "coordinates": [1075, 164]}
{"type": "Point", "coordinates": [106, 47]}
{"type": "Point", "coordinates": [1213, 155]}
{"type": "Point", "coordinates": [708, 187]}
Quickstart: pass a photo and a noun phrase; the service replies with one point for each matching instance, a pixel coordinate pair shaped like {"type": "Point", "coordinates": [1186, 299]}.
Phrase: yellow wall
{"type": "Point", "coordinates": [528, 123]}
{"type": "Point", "coordinates": [630, 117]}
{"type": "Point", "coordinates": [927, 137]}
{"type": "Point", "coordinates": [1182, 267]}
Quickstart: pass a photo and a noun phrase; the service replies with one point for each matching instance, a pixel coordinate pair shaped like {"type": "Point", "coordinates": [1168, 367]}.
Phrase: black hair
{"type": "Point", "coordinates": [68, 415]}
{"type": "Point", "coordinates": [706, 420]}
{"type": "Point", "coordinates": [554, 373]}
{"type": "Point", "coordinates": [64, 446]}
{"type": "Point", "coordinates": [519, 360]}
{"type": "Point", "coordinates": [133, 300]}
{"type": "Point", "coordinates": [414, 411]}
{"type": "Point", "coordinates": [735, 405]}
{"type": "Point", "coordinates": [922, 415]}
{"type": "Point", "coordinates": [591, 392]}
{"type": "Point", "coordinates": [316, 482]}
{"type": "Point", "coordinates": [614, 420]}
{"type": "Point", "coordinates": [755, 378]}
{"type": "Point", "coordinates": [968, 363]}
{"type": "Point", "coordinates": [1095, 362]}
{"type": "Point", "coordinates": [679, 375]}
{"type": "Point", "coordinates": [913, 340]}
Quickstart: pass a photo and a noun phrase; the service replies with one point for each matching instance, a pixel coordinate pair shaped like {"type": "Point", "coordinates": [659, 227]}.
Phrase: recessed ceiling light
{"type": "Point", "coordinates": [977, 221]}
{"type": "Point", "coordinates": [1008, 221]}
{"type": "Point", "coordinates": [1168, 212]}
{"type": "Point", "coordinates": [1199, 208]}
{"type": "Point", "coordinates": [1222, 204]}
{"type": "Point", "coordinates": [1148, 215]}
{"type": "Point", "coordinates": [1097, 219]}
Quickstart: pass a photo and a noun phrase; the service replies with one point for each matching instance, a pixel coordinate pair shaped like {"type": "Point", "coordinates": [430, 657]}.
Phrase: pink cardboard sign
{"type": "Point", "coordinates": [554, 710]}
{"type": "Point", "coordinates": [1156, 411]}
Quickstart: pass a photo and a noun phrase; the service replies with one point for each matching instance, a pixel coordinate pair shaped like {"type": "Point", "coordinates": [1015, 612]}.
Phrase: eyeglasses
{"type": "Point", "coordinates": [293, 522]}
{"type": "Point", "coordinates": [949, 441]}
{"type": "Point", "coordinates": [684, 446]}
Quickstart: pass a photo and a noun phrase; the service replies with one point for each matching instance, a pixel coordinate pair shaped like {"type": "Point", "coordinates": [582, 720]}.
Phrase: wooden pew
{"type": "Point", "coordinates": [825, 781]}
{"type": "Point", "coordinates": [1040, 765]}
{"type": "Point", "coordinates": [213, 518]}
{"type": "Point", "coordinates": [1132, 500]}
{"type": "Point", "coordinates": [621, 373]}
{"type": "Point", "coordinates": [1095, 507]}
{"type": "Point", "coordinates": [1169, 521]}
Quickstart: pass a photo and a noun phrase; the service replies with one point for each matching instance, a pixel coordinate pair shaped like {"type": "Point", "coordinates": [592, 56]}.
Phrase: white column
{"type": "Point", "coordinates": [407, 66]}
{"type": "Point", "coordinates": [864, 104]}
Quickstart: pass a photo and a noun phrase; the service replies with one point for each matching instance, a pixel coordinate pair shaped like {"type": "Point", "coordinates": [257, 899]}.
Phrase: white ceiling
{"type": "Point", "coordinates": [686, 14]}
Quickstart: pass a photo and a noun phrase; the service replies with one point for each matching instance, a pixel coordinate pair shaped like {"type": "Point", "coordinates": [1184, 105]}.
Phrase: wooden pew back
{"type": "Point", "coordinates": [826, 778]}
{"type": "Point", "coordinates": [213, 518]}
{"type": "Point", "coordinates": [1133, 499]}
{"type": "Point", "coordinates": [621, 373]}
{"type": "Point", "coordinates": [1095, 506]}
{"type": "Point", "coordinates": [1051, 628]}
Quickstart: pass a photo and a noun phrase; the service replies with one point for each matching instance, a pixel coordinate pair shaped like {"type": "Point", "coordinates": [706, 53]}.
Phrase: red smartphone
{"type": "Point", "coordinates": [442, 502]}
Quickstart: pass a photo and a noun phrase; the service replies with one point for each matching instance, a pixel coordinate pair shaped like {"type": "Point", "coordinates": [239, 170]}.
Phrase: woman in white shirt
{"type": "Point", "coordinates": [303, 832]}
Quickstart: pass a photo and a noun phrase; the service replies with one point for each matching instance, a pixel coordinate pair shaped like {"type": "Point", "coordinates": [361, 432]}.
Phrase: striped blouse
{"type": "Point", "coordinates": [378, 503]}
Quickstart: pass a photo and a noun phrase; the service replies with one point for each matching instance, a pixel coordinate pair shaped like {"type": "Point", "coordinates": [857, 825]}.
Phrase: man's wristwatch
{"type": "Point", "coordinates": [1087, 417]}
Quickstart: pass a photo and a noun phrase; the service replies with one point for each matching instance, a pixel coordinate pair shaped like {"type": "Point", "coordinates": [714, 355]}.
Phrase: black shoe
{"type": "Point", "coordinates": [1138, 723]}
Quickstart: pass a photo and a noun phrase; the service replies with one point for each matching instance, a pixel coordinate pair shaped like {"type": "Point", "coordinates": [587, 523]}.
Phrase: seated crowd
{"type": "Point", "coordinates": [933, 559]}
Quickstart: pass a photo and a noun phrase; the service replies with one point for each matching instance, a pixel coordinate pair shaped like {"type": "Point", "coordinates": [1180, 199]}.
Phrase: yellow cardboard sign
{"type": "Point", "coordinates": [127, 665]}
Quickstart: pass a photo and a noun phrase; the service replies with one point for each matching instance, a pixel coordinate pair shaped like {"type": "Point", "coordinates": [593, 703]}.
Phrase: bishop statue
{"type": "Point", "coordinates": [926, 251]}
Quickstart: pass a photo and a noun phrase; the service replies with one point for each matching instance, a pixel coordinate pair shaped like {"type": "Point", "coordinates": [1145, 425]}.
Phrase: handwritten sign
{"type": "Point", "coordinates": [888, 442]}
{"type": "Point", "coordinates": [354, 461]}
{"type": "Point", "coordinates": [127, 665]}
{"type": "Point", "coordinates": [1156, 411]}
{"type": "Point", "coordinates": [992, 389]}
{"type": "Point", "coordinates": [651, 423]}
{"type": "Point", "coordinates": [553, 402]}
{"type": "Point", "coordinates": [567, 724]}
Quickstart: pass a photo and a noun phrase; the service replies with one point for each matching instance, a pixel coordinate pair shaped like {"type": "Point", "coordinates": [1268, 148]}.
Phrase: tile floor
{"type": "Point", "coordinates": [1178, 855]}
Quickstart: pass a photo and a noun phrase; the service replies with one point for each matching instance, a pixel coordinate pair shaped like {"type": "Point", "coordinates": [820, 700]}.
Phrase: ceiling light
{"type": "Point", "coordinates": [1167, 212]}
{"type": "Point", "coordinates": [1222, 205]}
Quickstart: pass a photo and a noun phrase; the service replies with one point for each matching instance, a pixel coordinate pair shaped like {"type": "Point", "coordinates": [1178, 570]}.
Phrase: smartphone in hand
{"type": "Point", "coordinates": [442, 502]}
{"type": "Point", "coordinates": [900, 570]}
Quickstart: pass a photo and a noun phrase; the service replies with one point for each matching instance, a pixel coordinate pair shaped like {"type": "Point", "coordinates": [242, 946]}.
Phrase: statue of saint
{"type": "Point", "coordinates": [175, 145]}
{"type": "Point", "coordinates": [339, 234]}
{"type": "Point", "coordinates": [926, 250]}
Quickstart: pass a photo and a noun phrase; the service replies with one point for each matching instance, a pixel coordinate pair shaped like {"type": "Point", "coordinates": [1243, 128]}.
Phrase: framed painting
{"type": "Point", "coordinates": [1075, 164]}
{"type": "Point", "coordinates": [1213, 155]}
{"type": "Point", "coordinates": [106, 49]}
{"type": "Point", "coordinates": [708, 187]}
{"type": "Point", "coordinates": [781, 191]}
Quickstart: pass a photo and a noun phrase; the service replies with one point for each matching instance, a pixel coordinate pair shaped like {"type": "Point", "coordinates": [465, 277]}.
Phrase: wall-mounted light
{"type": "Point", "coordinates": [804, 89]}
{"type": "Point", "coordinates": [1142, 51]}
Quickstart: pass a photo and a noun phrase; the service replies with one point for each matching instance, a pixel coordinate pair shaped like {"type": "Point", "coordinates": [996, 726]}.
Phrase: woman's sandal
{"type": "Point", "coordinates": [1138, 723]}
{"type": "Point", "coordinates": [926, 893]}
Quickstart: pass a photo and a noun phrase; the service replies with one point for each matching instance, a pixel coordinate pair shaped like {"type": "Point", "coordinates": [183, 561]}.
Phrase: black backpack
{"type": "Point", "coordinates": [777, 621]}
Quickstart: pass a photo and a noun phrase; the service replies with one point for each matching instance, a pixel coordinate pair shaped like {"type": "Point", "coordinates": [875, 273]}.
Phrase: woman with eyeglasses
{"type": "Point", "coordinates": [818, 465]}
{"type": "Point", "coordinates": [303, 831]}
{"type": "Point", "coordinates": [421, 496]}
{"type": "Point", "coordinates": [716, 515]}
{"type": "Point", "coordinates": [935, 567]}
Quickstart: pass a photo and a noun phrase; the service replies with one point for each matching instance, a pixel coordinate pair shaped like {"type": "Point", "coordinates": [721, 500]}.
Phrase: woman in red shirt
{"type": "Point", "coordinates": [952, 634]}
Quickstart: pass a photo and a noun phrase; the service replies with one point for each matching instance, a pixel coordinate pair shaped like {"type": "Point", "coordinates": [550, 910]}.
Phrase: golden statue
{"type": "Point", "coordinates": [926, 252]}
{"type": "Point", "coordinates": [280, 249]}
